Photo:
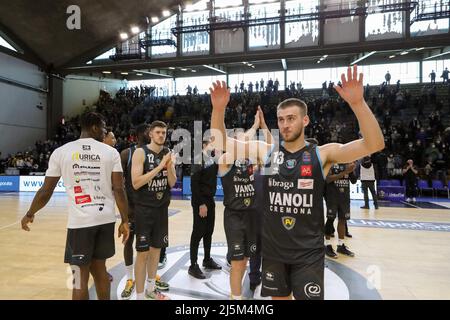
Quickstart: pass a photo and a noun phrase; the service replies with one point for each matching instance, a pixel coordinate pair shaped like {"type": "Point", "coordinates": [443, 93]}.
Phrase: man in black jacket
{"type": "Point", "coordinates": [203, 186]}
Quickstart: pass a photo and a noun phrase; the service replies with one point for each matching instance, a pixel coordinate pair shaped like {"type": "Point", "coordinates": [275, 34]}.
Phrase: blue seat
{"type": "Point", "coordinates": [423, 185]}
{"type": "Point", "coordinates": [396, 183]}
{"type": "Point", "coordinates": [437, 186]}
{"type": "Point", "coordinates": [384, 183]}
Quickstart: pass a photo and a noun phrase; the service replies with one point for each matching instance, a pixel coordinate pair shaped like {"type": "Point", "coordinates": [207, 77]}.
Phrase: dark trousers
{"type": "Point", "coordinates": [202, 228]}
{"type": "Point", "coordinates": [369, 185]}
{"type": "Point", "coordinates": [411, 189]}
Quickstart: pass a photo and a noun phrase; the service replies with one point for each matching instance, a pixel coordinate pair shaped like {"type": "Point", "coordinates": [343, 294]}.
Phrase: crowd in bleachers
{"type": "Point", "coordinates": [410, 131]}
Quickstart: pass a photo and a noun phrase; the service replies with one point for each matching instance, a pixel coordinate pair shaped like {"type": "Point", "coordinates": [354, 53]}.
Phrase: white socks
{"type": "Point", "coordinates": [340, 242]}
{"type": "Point", "coordinates": [151, 285]}
{"type": "Point", "coordinates": [327, 242]}
{"type": "Point", "coordinates": [140, 296]}
{"type": "Point", "coordinates": [130, 269]}
{"type": "Point", "coordinates": [236, 297]}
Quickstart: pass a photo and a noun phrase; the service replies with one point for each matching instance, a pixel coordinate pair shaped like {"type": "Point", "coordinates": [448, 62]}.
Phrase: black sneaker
{"type": "Point", "coordinates": [365, 207]}
{"type": "Point", "coordinates": [376, 207]}
{"type": "Point", "coordinates": [194, 270]}
{"type": "Point", "coordinates": [343, 249]}
{"type": "Point", "coordinates": [254, 285]}
{"type": "Point", "coordinates": [330, 252]}
{"type": "Point", "coordinates": [332, 235]}
{"type": "Point", "coordinates": [348, 235]}
{"type": "Point", "coordinates": [211, 264]}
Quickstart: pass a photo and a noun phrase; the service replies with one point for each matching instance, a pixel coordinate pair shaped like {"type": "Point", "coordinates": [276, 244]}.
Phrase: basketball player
{"type": "Point", "coordinates": [293, 246]}
{"type": "Point", "coordinates": [92, 174]}
{"type": "Point", "coordinates": [110, 138]}
{"type": "Point", "coordinates": [152, 176]}
{"type": "Point", "coordinates": [238, 183]}
{"type": "Point", "coordinates": [338, 204]}
{"type": "Point", "coordinates": [143, 138]}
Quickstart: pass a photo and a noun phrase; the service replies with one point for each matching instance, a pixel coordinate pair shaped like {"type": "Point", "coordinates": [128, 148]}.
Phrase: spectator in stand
{"type": "Point", "coordinates": [410, 173]}
{"type": "Point", "coordinates": [444, 75]}
{"type": "Point", "coordinates": [387, 77]}
{"type": "Point", "coordinates": [433, 77]}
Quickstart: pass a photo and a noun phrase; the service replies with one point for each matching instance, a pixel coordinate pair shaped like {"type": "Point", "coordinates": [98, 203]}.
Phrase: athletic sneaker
{"type": "Point", "coordinates": [155, 295]}
{"type": "Point", "coordinates": [365, 207]}
{"type": "Point", "coordinates": [162, 264]}
{"type": "Point", "coordinates": [344, 250]}
{"type": "Point", "coordinates": [129, 288]}
{"type": "Point", "coordinates": [329, 251]}
{"type": "Point", "coordinates": [211, 264]}
{"type": "Point", "coordinates": [161, 285]}
{"type": "Point", "coordinates": [194, 270]}
{"type": "Point", "coordinates": [348, 235]}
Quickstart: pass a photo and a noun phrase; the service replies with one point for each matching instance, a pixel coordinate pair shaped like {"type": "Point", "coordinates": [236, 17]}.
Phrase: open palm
{"type": "Point", "coordinates": [220, 95]}
{"type": "Point", "coordinates": [352, 89]}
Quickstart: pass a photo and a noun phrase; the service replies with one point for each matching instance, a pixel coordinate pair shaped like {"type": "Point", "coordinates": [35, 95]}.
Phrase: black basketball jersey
{"type": "Point", "coordinates": [127, 175]}
{"type": "Point", "coordinates": [293, 206]}
{"type": "Point", "coordinates": [238, 186]}
{"type": "Point", "coordinates": [339, 190]}
{"type": "Point", "coordinates": [157, 192]}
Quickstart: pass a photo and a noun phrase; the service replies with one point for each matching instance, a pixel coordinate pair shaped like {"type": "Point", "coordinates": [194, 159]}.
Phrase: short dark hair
{"type": "Point", "coordinates": [157, 124]}
{"type": "Point", "coordinates": [90, 119]}
{"type": "Point", "coordinates": [141, 129]}
{"type": "Point", "coordinates": [294, 102]}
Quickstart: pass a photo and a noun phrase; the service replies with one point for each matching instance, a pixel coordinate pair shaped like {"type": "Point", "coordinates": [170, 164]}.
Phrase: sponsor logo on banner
{"type": "Point", "coordinates": [83, 199]}
{"type": "Point", "coordinates": [34, 183]}
{"type": "Point", "coordinates": [291, 163]}
{"type": "Point", "coordinates": [306, 157]}
{"type": "Point", "coordinates": [76, 156]}
{"type": "Point", "coordinates": [288, 222]}
{"type": "Point", "coordinates": [77, 189]}
{"type": "Point", "coordinates": [9, 183]}
{"type": "Point", "coordinates": [305, 184]}
{"type": "Point", "coordinates": [306, 171]}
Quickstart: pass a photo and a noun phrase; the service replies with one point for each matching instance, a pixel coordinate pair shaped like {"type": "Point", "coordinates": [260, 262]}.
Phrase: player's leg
{"type": "Point", "coordinates": [343, 216]}
{"type": "Point", "coordinates": [276, 280]}
{"type": "Point", "coordinates": [198, 231]}
{"type": "Point", "coordinates": [208, 261]}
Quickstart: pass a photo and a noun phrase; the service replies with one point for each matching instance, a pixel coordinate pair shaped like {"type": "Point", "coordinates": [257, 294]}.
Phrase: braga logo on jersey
{"type": "Point", "coordinates": [305, 184]}
{"type": "Point", "coordinates": [288, 222]}
{"type": "Point", "coordinates": [76, 156]}
{"type": "Point", "coordinates": [306, 171]}
{"type": "Point", "coordinates": [83, 199]}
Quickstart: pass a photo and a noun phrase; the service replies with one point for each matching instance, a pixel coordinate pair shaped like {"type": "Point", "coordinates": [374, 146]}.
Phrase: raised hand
{"type": "Point", "coordinates": [352, 89]}
{"type": "Point", "coordinates": [220, 95]}
{"type": "Point", "coordinates": [262, 120]}
{"type": "Point", "coordinates": [165, 160]}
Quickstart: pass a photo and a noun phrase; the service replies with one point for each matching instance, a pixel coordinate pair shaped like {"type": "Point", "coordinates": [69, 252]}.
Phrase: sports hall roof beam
{"type": "Point", "coordinates": [284, 64]}
{"type": "Point", "coordinates": [287, 53]}
{"type": "Point", "coordinates": [156, 72]}
{"type": "Point", "coordinates": [23, 51]}
{"type": "Point", "coordinates": [438, 53]}
{"type": "Point", "coordinates": [216, 68]}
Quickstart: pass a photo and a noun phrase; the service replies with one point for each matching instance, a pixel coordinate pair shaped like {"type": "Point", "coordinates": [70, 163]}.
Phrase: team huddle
{"type": "Point", "coordinates": [282, 184]}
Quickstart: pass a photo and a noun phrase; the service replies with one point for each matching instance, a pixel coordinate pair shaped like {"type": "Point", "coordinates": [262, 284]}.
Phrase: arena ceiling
{"type": "Point", "coordinates": [39, 31]}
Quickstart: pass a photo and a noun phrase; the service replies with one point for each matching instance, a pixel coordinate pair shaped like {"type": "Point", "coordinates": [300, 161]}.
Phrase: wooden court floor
{"type": "Point", "coordinates": [406, 264]}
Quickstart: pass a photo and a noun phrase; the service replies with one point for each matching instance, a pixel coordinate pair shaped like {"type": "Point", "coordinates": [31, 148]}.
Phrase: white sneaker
{"type": "Point", "coordinates": [414, 200]}
{"type": "Point", "coordinates": [408, 200]}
